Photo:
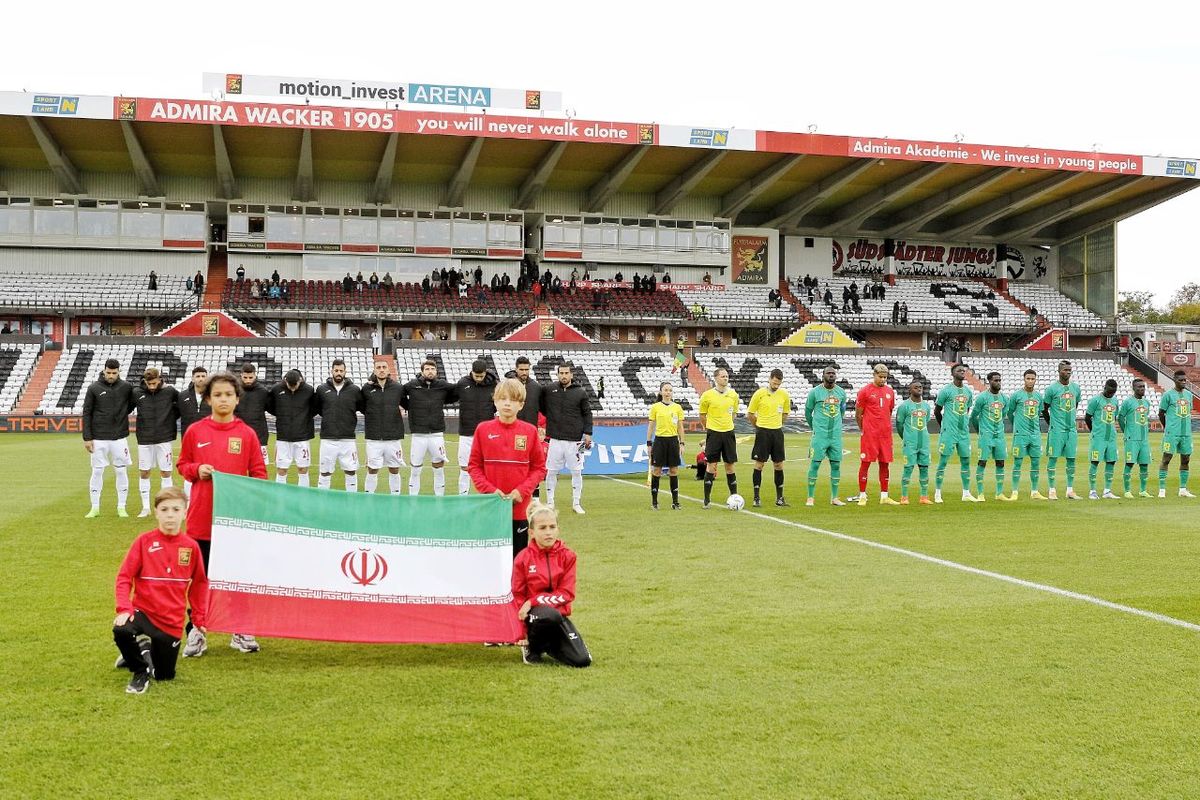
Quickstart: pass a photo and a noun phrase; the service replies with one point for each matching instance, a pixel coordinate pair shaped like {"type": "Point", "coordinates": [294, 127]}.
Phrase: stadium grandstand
{"type": "Point", "coordinates": [151, 230]}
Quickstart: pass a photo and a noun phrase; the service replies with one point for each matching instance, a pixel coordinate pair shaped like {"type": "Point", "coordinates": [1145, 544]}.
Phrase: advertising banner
{"type": "Point", "coordinates": [617, 450]}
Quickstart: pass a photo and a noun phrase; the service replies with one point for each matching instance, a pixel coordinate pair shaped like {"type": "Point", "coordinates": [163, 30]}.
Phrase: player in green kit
{"type": "Point", "coordinates": [1134, 418]}
{"type": "Point", "coordinates": [1101, 419]}
{"type": "Point", "coordinates": [1061, 400]}
{"type": "Point", "coordinates": [912, 423]}
{"type": "Point", "coordinates": [952, 409]}
{"type": "Point", "coordinates": [1175, 414]}
{"type": "Point", "coordinates": [987, 417]}
{"type": "Point", "coordinates": [1024, 409]}
{"type": "Point", "coordinates": [824, 410]}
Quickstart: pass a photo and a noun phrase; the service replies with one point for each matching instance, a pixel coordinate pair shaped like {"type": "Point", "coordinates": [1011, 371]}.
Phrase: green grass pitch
{"type": "Point", "coordinates": [735, 656]}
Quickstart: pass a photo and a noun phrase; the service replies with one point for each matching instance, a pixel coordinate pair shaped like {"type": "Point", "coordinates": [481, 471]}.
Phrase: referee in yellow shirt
{"type": "Point", "coordinates": [718, 407]}
{"type": "Point", "coordinates": [768, 409]}
{"type": "Point", "coordinates": [664, 440]}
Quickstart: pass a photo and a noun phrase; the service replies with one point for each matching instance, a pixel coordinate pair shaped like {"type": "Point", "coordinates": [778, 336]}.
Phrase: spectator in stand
{"type": "Point", "coordinates": [666, 277]}
{"type": "Point", "coordinates": [284, 290]}
{"type": "Point", "coordinates": [153, 285]}
{"type": "Point", "coordinates": [663, 339]}
{"type": "Point", "coordinates": [462, 290]}
{"type": "Point", "coordinates": [651, 284]}
{"type": "Point", "coordinates": [846, 305]}
{"type": "Point", "coordinates": [547, 279]}
{"type": "Point", "coordinates": [641, 338]}
{"type": "Point", "coordinates": [478, 275]}
{"type": "Point", "coordinates": [537, 290]}
{"type": "Point", "coordinates": [717, 340]}
{"type": "Point", "coordinates": [1033, 314]}
{"type": "Point", "coordinates": [896, 313]}
{"type": "Point", "coordinates": [587, 273]}
{"type": "Point", "coordinates": [574, 274]}
{"type": "Point", "coordinates": [425, 285]}
{"type": "Point", "coordinates": [619, 278]}
{"type": "Point", "coordinates": [703, 311]}
{"type": "Point", "coordinates": [703, 341]}
{"type": "Point", "coordinates": [495, 282]}
{"type": "Point", "coordinates": [347, 284]}
{"type": "Point", "coordinates": [374, 282]}
{"type": "Point", "coordinates": [637, 282]}
{"type": "Point", "coordinates": [707, 279]}
{"type": "Point", "coordinates": [388, 283]}
{"type": "Point", "coordinates": [5, 330]}
{"type": "Point", "coordinates": [556, 285]}
{"type": "Point", "coordinates": [191, 284]}
{"type": "Point", "coordinates": [779, 299]}
{"type": "Point", "coordinates": [359, 283]}
{"type": "Point", "coordinates": [855, 306]}
{"type": "Point", "coordinates": [375, 341]}
{"type": "Point", "coordinates": [241, 273]}
{"type": "Point", "coordinates": [429, 336]}
{"type": "Point", "coordinates": [198, 282]}
{"type": "Point", "coordinates": [274, 291]}
{"type": "Point", "coordinates": [275, 276]}
{"type": "Point", "coordinates": [904, 313]}
{"type": "Point", "coordinates": [483, 294]}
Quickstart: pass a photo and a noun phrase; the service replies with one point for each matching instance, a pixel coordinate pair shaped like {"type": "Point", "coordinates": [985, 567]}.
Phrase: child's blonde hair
{"type": "Point", "coordinates": [510, 389]}
{"type": "Point", "coordinates": [537, 508]}
{"type": "Point", "coordinates": [169, 493]}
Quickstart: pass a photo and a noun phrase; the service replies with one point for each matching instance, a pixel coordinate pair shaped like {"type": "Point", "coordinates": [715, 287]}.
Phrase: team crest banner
{"type": "Point", "coordinates": [749, 259]}
{"type": "Point", "coordinates": [304, 563]}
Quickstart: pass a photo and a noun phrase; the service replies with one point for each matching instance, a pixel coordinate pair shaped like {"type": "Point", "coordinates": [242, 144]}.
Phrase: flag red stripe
{"type": "Point", "coordinates": [352, 621]}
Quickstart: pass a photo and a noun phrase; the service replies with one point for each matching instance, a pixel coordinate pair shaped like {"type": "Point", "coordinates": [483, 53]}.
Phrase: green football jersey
{"type": "Point", "coordinates": [824, 409]}
{"type": "Point", "coordinates": [1062, 400]}
{"type": "Point", "coordinates": [1103, 411]}
{"type": "Point", "coordinates": [1134, 417]}
{"type": "Point", "coordinates": [988, 414]}
{"type": "Point", "coordinates": [955, 402]}
{"type": "Point", "coordinates": [1024, 409]}
{"type": "Point", "coordinates": [1178, 406]}
{"type": "Point", "coordinates": [912, 422]}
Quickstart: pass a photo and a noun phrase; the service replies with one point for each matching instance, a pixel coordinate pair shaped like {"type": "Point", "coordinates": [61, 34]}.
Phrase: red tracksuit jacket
{"type": "Point", "coordinates": [545, 577]}
{"type": "Point", "coordinates": [164, 573]}
{"type": "Point", "coordinates": [506, 457]}
{"type": "Point", "coordinates": [230, 447]}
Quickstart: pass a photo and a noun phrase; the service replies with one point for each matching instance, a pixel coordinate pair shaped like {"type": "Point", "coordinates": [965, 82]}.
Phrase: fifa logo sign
{"type": "Point", "coordinates": [364, 567]}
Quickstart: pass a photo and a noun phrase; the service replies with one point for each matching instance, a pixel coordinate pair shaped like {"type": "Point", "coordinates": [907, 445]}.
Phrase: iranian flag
{"type": "Point", "coordinates": [305, 563]}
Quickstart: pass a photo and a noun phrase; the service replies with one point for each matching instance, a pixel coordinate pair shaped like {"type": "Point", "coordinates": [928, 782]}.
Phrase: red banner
{"type": "Point", "coordinates": [275, 115]}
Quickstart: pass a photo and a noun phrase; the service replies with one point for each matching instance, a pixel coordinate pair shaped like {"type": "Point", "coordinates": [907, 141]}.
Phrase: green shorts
{"type": "Point", "coordinates": [1178, 443]}
{"type": "Point", "coordinates": [1062, 444]}
{"type": "Point", "coordinates": [918, 455]}
{"type": "Point", "coordinates": [992, 449]}
{"type": "Point", "coordinates": [948, 447]}
{"type": "Point", "coordinates": [822, 449]}
{"type": "Point", "coordinates": [1103, 450]}
{"type": "Point", "coordinates": [1137, 452]}
{"type": "Point", "coordinates": [1026, 447]}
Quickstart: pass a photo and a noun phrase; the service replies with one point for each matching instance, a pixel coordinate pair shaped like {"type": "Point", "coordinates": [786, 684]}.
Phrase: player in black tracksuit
{"type": "Point", "coordinates": [533, 399]}
{"type": "Point", "coordinates": [106, 408]}
{"type": "Point", "coordinates": [292, 402]}
{"type": "Point", "coordinates": [192, 405]}
{"type": "Point", "coordinates": [157, 407]}
{"type": "Point", "coordinates": [568, 412]}
{"type": "Point", "coordinates": [252, 406]}
{"type": "Point", "coordinates": [475, 405]}
{"type": "Point", "coordinates": [384, 423]}
{"type": "Point", "coordinates": [338, 402]}
{"type": "Point", "coordinates": [425, 399]}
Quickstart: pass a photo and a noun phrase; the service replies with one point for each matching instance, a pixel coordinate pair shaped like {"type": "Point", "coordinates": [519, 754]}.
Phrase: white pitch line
{"type": "Point", "coordinates": [1041, 587]}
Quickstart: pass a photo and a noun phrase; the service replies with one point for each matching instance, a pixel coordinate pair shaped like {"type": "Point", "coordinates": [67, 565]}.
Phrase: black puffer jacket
{"type": "Point", "coordinates": [339, 409]}
{"type": "Point", "coordinates": [190, 409]}
{"type": "Point", "coordinates": [425, 402]}
{"type": "Point", "coordinates": [568, 412]}
{"type": "Point", "coordinates": [157, 413]}
{"type": "Point", "coordinates": [106, 408]}
{"type": "Point", "coordinates": [475, 402]}
{"type": "Point", "coordinates": [293, 411]}
{"type": "Point", "coordinates": [533, 399]}
{"type": "Point", "coordinates": [252, 409]}
{"type": "Point", "coordinates": [381, 407]}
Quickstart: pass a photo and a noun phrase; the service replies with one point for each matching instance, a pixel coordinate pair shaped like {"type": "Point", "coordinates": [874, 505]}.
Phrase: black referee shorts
{"type": "Point", "coordinates": [720, 446]}
{"type": "Point", "coordinates": [768, 445]}
{"type": "Point", "coordinates": [665, 452]}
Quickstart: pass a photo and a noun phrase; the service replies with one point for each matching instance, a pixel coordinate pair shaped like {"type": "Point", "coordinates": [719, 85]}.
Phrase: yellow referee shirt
{"type": "Point", "coordinates": [769, 407]}
{"type": "Point", "coordinates": [666, 419]}
{"type": "Point", "coordinates": [720, 409]}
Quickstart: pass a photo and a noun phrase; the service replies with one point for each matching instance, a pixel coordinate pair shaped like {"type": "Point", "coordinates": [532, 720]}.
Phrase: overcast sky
{"type": "Point", "coordinates": [1118, 77]}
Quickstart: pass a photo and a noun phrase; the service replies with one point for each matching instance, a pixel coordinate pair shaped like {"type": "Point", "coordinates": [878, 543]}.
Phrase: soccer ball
{"type": "Point", "coordinates": [736, 502]}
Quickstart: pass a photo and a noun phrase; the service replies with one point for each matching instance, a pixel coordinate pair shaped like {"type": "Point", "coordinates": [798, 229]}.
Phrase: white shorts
{"type": "Point", "coordinates": [464, 450]}
{"type": "Point", "coordinates": [155, 455]}
{"type": "Point", "coordinates": [110, 451]}
{"type": "Point", "coordinates": [384, 453]}
{"type": "Point", "coordinates": [288, 452]}
{"type": "Point", "coordinates": [564, 455]}
{"type": "Point", "coordinates": [339, 451]}
{"type": "Point", "coordinates": [266, 455]}
{"type": "Point", "coordinates": [433, 444]}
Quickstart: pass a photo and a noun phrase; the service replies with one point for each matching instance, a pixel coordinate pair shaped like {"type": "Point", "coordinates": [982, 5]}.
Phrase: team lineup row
{"type": "Point", "coordinates": [957, 412]}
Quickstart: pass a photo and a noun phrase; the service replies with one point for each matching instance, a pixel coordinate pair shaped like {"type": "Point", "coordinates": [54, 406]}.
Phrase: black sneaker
{"type": "Point", "coordinates": [757, 503]}
{"type": "Point", "coordinates": [779, 501]}
{"type": "Point", "coordinates": [675, 506]}
{"type": "Point", "coordinates": [138, 684]}
{"type": "Point", "coordinates": [529, 657]}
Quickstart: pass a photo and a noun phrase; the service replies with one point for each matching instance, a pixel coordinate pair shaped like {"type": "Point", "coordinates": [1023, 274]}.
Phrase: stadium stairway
{"type": "Point", "coordinates": [802, 312]}
{"type": "Point", "coordinates": [214, 284]}
{"type": "Point", "coordinates": [1042, 323]}
{"type": "Point", "coordinates": [976, 382]}
{"type": "Point", "coordinates": [1149, 379]}
{"type": "Point", "coordinates": [697, 377]}
{"type": "Point", "coordinates": [31, 395]}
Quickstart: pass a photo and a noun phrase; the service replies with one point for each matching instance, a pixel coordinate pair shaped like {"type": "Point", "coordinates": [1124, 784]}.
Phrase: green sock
{"type": "Point", "coordinates": [1070, 474]}
{"type": "Point", "coordinates": [1016, 483]}
{"type": "Point", "coordinates": [1144, 475]}
{"type": "Point", "coordinates": [964, 474]}
{"type": "Point", "coordinates": [1092, 476]}
{"type": "Point", "coordinates": [999, 479]}
{"type": "Point", "coordinates": [1109, 468]}
{"type": "Point", "coordinates": [835, 475]}
{"type": "Point", "coordinates": [813, 469]}
{"type": "Point", "coordinates": [1035, 464]}
{"type": "Point", "coordinates": [1051, 473]}
{"type": "Point", "coordinates": [1162, 479]}
{"type": "Point", "coordinates": [923, 477]}
{"type": "Point", "coordinates": [979, 469]}
{"type": "Point", "coordinates": [905, 477]}
{"type": "Point", "coordinates": [1128, 476]}
{"type": "Point", "coordinates": [1183, 478]}
{"type": "Point", "coordinates": [943, 460]}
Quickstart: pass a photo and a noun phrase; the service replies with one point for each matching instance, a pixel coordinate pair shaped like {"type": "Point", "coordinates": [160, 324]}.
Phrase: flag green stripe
{"type": "Point", "coordinates": [473, 517]}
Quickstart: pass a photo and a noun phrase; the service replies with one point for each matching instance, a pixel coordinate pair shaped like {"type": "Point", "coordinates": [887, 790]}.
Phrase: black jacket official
{"type": "Point", "coordinates": [568, 412]}
{"type": "Point", "coordinates": [191, 409]}
{"type": "Point", "coordinates": [157, 413]}
{"type": "Point", "coordinates": [338, 409]}
{"type": "Point", "coordinates": [106, 408]}
{"type": "Point", "coordinates": [425, 402]}
{"type": "Point", "coordinates": [533, 399]}
{"type": "Point", "coordinates": [381, 408]}
{"type": "Point", "coordinates": [252, 409]}
{"type": "Point", "coordinates": [293, 412]}
{"type": "Point", "coordinates": [475, 402]}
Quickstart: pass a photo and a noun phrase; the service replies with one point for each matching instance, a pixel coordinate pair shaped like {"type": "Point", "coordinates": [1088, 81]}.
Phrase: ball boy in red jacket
{"type": "Point", "coordinates": [161, 574]}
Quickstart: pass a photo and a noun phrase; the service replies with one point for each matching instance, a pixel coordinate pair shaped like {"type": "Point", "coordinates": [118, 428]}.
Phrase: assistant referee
{"type": "Point", "coordinates": [664, 439]}
{"type": "Point", "coordinates": [769, 408]}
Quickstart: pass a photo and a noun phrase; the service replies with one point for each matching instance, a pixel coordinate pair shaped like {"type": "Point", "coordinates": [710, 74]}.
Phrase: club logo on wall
{"type": "Point", "coordinates": [233, 84]}
{"type": "Point", "coordinates": [546, 330]}
{"type": "Point", "coordinates": [210, 325]}
{"type": "Point", "coordinates": [749, 259]}
{"type": "Point", "coordinates": [126, 108]}
{"type": "Point", "coordinates": [533, 99]}
{"type": "Point", "coordinates": [645, 134]}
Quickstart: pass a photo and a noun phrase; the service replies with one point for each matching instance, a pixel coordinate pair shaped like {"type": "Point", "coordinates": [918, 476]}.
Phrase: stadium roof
{"type": "Point", "coordinates": [800, 183]}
